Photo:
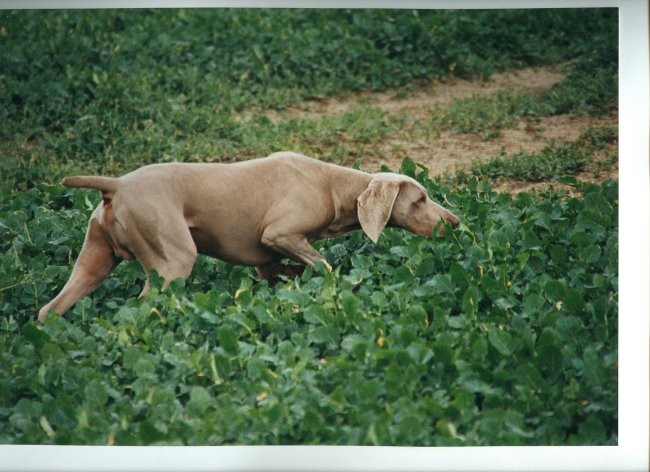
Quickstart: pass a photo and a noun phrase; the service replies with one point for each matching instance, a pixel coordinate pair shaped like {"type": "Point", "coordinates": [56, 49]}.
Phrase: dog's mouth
{"type": "Point", "coordinates": [441, 227]}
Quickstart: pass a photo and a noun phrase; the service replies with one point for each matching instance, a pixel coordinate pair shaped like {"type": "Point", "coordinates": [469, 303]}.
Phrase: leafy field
{"type": "Point", "coordinates": [502, 332]}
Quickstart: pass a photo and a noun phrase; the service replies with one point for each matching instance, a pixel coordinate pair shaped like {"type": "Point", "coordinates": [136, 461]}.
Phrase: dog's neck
{"type": "Point", "coordinates": [345, 192]}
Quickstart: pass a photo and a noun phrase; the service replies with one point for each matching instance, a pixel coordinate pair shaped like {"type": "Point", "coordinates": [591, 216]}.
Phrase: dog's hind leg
{"type": "Point", "coordinates": [95, 262]}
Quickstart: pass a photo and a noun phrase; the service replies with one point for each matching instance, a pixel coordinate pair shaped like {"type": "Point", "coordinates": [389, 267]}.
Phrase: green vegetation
{"type": "Point", "coordinates": [502, 332]}
{"type": "Point", "coordinates": [101, 91]}
{"type": "Point", "coordinates": [488, 114]}
{"type": "Point", "coordinates": [553, 162]}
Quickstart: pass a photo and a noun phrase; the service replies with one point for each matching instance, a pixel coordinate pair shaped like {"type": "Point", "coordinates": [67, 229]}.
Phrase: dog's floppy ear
{"type": "Point", "coordinates": [375, 205]}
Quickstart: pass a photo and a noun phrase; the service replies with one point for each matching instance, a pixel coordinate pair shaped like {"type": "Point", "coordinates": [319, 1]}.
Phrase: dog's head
{"type": "Point", "coordinates": [398, 200]}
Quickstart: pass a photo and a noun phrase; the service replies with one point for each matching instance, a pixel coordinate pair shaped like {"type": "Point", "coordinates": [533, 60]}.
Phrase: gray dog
{"type": "Point", "coordinates": [252, 213]}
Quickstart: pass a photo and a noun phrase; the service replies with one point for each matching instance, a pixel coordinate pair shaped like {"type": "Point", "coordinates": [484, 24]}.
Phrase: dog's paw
{"type": "Point", "coordinates": [322, 266]}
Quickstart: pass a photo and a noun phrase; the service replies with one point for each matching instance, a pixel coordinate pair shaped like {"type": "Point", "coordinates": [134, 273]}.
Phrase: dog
{"type": "Point", "coordinates": [252, 213]}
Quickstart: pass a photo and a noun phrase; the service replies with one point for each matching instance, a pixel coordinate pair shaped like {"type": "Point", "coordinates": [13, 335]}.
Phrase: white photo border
{"type": "Point", "coordinates": [630, 454]}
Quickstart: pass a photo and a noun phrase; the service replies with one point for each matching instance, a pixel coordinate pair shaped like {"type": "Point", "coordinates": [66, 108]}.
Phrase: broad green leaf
{"type": "Point", "coordinates": [590, 254]}
{"type": "Point", "coordinates": [35, 335]}
{"type": "Point", "coordinates": [96, 394]}
{"type": "Point", "coordinates": [555, 291]}
{"type": "Point", "coordinates": [500, 340]}
{"type": "Point", "coordinates": [471, 299]}
{"type": "Point", "coordinates": [408, 167]}
{"type": "Point", "coordinates": [549, 352]}
{"type": "Point", "coordinates": [228, 340]}
{"type": "Point", "coordinates": [200, 400]}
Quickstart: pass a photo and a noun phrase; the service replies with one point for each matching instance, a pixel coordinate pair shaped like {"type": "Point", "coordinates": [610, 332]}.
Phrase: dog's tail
{"type": "Point", "coordinates": [107, 185]}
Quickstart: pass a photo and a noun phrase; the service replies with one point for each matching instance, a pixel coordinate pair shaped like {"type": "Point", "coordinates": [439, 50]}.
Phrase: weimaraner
{"type": "Point", "coordinates": [252, 213]}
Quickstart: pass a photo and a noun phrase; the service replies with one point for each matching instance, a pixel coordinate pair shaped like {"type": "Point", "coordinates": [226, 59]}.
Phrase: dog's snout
{"type": "Point", "coordinates": [453, 220]}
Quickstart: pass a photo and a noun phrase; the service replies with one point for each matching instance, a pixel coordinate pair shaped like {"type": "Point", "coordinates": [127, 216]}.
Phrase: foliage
{"type": "Point", "coordinates": [550, 164]}
{"type": "Point", "coordinates": [502, 332]}
{"type": "Point", "coordinates": [105, 90]}
{"type": "Point", "coordinates": [591, 85]}
{"type": "Point", "coordinates": [488, 114]}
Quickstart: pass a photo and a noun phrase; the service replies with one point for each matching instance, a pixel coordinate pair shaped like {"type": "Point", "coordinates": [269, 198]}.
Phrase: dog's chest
{"type": "Point", "coordinates": [337, 229]}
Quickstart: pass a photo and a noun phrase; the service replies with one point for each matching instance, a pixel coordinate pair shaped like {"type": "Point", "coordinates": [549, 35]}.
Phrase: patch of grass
{"type": "Point", "coordinates": [591, 85]}
{"type": "Point", "coordinates": [487, 115]}
{"type": "Point", "coordinates": [549, 164]}
{"type": "Point", "coordinates": [589, 88]}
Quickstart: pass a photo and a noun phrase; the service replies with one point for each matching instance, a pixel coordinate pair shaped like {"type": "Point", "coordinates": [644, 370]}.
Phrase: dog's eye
{"type": "Point", "coordinates": [421, 200]}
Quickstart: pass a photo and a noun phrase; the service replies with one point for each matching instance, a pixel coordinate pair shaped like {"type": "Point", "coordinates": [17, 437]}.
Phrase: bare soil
{"type": "Point", "coordinates": [435, 93]}
{"type": "Point", "coordinates": [449, 151]}
{"type": "Point", "coordinates": [453, 151]}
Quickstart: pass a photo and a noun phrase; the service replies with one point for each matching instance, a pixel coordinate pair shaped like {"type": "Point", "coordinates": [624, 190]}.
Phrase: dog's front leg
{"type": "Point", "coordinates": [272, 270]}
{"type": "Point", "coordinates": [294, 246]}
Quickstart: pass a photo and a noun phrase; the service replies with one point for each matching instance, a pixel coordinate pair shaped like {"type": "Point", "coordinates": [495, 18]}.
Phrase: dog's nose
{"type": "Point", "coordinates": [453, 220]}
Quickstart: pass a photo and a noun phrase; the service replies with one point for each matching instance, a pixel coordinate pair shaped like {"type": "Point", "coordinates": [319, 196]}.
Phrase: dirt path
{"type": "Point", "coordinates": [436, 93]}
{"type": "Point", "coordinates": [453, 151]}
{"type": "Point", "coordinates": [449, 151]}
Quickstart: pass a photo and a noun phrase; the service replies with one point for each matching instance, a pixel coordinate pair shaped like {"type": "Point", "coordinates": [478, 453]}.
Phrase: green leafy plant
{"type": "Point", "coordinates": [509, 321]}
{"type": "Point", "coordinates": [487, 114]}
{"type": "Point", "coordinates": [552, 163]}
